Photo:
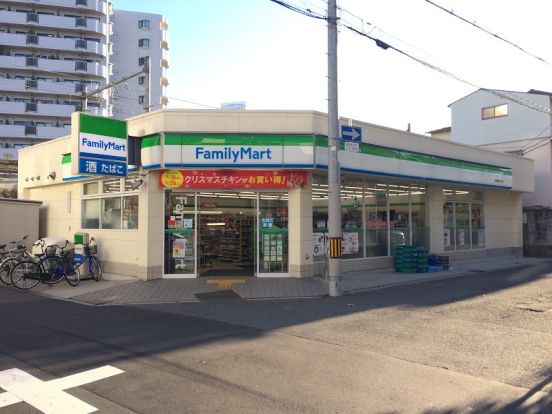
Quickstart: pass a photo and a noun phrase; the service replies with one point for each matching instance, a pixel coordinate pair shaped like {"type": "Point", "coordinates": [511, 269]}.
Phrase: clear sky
{"type": "Point", "coordinates": [273, 58]}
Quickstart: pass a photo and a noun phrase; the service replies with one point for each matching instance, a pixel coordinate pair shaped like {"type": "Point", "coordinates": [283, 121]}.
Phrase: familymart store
{"type": "Point", "coordinates": [244, 193]}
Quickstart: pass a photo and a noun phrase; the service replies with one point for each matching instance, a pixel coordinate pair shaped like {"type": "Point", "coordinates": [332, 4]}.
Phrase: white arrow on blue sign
{"type": "Point", "coordinates": [351, 133]}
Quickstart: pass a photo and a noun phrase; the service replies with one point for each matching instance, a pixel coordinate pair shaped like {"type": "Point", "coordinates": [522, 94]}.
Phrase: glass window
{"type": "Point", "coordinates": [130, 212]}
{"type": "Point", "coordinates": [399, 215]}
{"type": "Point", "coordinates": [91, 214]}
{"type": "Point", "coordinates": [462, 213]}
{"type": "Point", "coordinates": [352, 218]}
{"type": "Point", "coordinates": [91, 188]}
{"type": "Point", "coordinates": [143, 24]}
{"type": "Point", "coordinates": [419, 231]}
{"type": "Point", "coordinates": [376, 223]}
{"type": "Point", "coordinates": [319, 216]}
{"type": "Point", "coordinates": [111, 213]}
{"type": "Point", "coordinates": [464, 221]}
{"type": "Point", "coordinates": [477, 226]}
{"type": "Point", "coordinates": [112, 186]}
{"type": "Point", "coordinates": [273, 233]}
{"type": "Point", "coordinates": [143, 42]}
{"type": "Point", "coordinates": [494, 111]}
{"type": "Point", "coordinates": [448, 224]}
{"type": "Point", "coordinates": [180, 235]}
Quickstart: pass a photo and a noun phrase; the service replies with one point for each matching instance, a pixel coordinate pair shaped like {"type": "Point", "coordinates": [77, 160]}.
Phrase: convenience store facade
{"type": "Point", "coordinates": [244, 193]}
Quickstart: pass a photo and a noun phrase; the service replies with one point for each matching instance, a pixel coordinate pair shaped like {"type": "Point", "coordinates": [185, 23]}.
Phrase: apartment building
{"type": "Point", "coordinates": [137, 36]}
{"type": "Point", "coordinates": [51, 51]}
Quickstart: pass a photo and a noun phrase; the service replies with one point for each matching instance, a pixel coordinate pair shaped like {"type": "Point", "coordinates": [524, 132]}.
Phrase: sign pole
{"type": "Point", "coordinates": [334, 180]}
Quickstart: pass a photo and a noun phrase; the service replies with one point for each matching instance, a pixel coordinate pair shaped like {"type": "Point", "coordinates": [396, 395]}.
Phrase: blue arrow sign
{"type": "Point", "coordinates": [351, 133]}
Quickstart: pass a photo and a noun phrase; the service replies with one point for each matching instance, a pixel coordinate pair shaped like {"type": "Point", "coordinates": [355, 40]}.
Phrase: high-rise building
{"type": "Point", "coordinates": [53, 50]}
{"type": "Point", "coordinates": [137, 36]}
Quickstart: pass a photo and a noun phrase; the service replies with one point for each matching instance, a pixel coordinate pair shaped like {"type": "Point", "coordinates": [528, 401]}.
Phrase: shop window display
{"type": "Point", "coordinates": [375, 217]}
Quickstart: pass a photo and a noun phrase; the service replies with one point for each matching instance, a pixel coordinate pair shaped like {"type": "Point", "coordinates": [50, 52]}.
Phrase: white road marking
{"type": "Point", "coordinates": [48, 396]}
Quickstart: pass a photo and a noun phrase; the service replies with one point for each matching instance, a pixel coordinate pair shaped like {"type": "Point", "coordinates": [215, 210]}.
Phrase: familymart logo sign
{"type": "Point", "coordinates": [102, 145]}
{"type": "Point", "coordinates": [232, 154]}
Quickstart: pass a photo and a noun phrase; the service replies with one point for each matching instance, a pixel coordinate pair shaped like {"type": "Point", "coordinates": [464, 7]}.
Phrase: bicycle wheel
{"type": "Point", "coordinates": [25, 275]}
{"type": "Point", "coordinates": [53, 269]}
{"type": "Point", "coordinates": [5, 269]}
{"type": "Point", "coordinates": [72, 274]}
{"type": "Point", "coordinates": [95, 268]}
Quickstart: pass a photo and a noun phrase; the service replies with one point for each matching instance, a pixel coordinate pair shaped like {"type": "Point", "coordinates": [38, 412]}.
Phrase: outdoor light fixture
{"type": "Point", "coordinates": [222, 223]}
{"type": "Point", "coordinates": [52, 175]}
{"type": "Point", "coordinates": [136, 184]}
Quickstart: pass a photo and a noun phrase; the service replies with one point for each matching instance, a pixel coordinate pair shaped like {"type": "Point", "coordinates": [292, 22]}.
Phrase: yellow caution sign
{"type": "Point", "coordinates": [335, 247]}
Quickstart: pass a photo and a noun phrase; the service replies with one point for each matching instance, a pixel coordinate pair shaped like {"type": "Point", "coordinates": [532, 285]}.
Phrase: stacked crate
{"type": "Point", "coordinates": [410, 259]}
{"type": "Point", "coordinates": [437, 263]}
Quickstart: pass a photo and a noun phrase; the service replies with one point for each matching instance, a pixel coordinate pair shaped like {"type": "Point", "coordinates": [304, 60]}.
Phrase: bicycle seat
{"type": "Point", "coordinates": [2, 246]}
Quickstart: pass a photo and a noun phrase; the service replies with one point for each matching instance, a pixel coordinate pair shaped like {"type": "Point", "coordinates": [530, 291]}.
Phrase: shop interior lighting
{"type": "Point", "coordinates": [222, 223]}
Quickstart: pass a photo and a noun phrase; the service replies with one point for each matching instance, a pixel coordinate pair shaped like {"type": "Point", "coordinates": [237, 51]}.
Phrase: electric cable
{"type": "Point", "coordinates": [385, 46]}
{"type": "Point", "coordinates": [495, 35]}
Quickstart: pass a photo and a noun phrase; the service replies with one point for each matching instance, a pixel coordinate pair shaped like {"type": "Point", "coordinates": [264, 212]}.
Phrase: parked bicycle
{"type": "Point", "coordinates": [10, 254]}
{"type": "Point", "coordinates": [88, 263]}
{"type": "Point", "coordinates": [47, 268]}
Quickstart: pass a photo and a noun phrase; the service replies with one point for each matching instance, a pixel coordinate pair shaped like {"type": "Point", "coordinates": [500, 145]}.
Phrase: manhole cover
{"type": "Point", "coordinates": [218, 295]}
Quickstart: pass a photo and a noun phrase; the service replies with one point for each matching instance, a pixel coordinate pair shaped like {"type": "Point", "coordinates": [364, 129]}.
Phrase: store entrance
{"type": "Point", "coordinates": [226, 234]}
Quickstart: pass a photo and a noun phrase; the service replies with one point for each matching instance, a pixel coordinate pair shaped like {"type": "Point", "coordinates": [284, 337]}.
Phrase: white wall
{"type": "Point", "coordinates": [521, 122]}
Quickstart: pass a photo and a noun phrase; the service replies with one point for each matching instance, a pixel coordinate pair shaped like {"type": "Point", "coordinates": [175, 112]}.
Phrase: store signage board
{"type": "Point", "coordinates": [234, 179]}
{"type": "Point", "coordinates": [100, 146]}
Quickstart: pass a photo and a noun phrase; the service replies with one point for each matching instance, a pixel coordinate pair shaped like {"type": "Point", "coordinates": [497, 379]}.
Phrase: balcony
{"type": "Point", "coordinates": [20, 108]}
{"type": "Point", "coordinates": [55, 43]}
{"type": "Point", "coordinates": [53, 22]}
{"type": "Point", "coordinates": [42, 87]}
{"type": "Point", "coordinates": [96, 5]}
{"type": "Point", "coordinates": [18, 131]}
{"type": "Point", "coordinates": [52, 65]}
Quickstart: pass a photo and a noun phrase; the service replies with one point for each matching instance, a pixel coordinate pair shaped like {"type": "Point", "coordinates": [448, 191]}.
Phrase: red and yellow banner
{"type": "Point", "coordinates": [233, 179]}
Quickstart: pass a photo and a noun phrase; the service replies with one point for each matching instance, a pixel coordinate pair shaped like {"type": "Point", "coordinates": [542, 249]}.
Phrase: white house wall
{"type": "Point", "coordinates": [468, 127]}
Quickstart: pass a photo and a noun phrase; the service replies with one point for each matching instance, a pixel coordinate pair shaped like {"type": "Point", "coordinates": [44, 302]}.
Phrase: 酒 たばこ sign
{"type": "Point", "coordinates": [100, 145]}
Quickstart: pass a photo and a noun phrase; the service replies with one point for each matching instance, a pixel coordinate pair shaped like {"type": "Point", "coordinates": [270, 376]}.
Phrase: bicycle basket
{"type": "Point", "coordinates": [51, 249]}
{"type": "Point", "coordinates": [92, 249]}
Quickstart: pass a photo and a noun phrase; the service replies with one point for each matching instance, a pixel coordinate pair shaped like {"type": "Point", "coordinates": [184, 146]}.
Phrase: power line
{"type": "Point", "coordinates": [305, 12]}
{"type": "Point", "coordinates": [495, 35]}
{"type": "Point", "coordinates": [385, 46]}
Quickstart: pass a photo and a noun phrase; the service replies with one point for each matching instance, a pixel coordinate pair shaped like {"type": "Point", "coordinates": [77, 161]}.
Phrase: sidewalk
{"type": "Point", "coordinates": [119, 290]}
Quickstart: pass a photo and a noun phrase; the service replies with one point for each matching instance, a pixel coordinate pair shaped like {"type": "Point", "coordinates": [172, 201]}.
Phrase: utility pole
{"type": "Point", "coordinates": [334, 180]}
{"type": "Point", "coordinates": [147, 72]}
{"type": "Point", "coordinates": [85, 95]}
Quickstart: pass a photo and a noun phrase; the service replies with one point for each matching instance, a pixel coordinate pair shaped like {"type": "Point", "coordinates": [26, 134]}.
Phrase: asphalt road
{"type": "Point", "coordinates": [478, 344]}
